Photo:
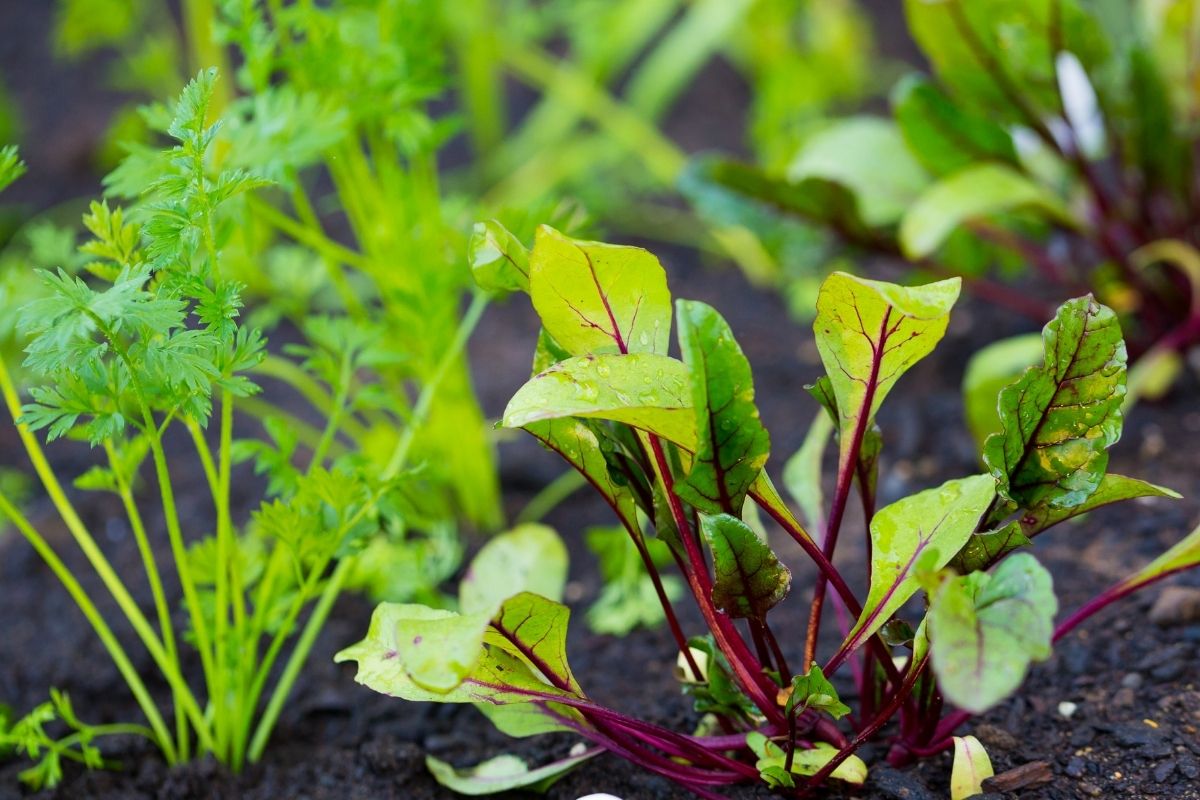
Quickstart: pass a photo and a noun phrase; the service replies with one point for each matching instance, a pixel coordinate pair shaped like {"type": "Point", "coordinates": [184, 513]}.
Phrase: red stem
{"type": "Point", "coordinates": [746, 668]}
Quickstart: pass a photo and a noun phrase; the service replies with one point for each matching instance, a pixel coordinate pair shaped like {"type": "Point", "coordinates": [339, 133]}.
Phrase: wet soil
{"type": "Point", "coordinates": [1134, 686]}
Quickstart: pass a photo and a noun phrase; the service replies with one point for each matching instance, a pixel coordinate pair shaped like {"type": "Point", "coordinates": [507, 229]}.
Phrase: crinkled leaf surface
{"type": "Point", "coordinates": [987, 547]}
{"type": "Point", "coordinates": [936, 520]}
{"type": "Point", "coordinates": [972, 193]}
{"type": "Point", "coordinates": [647, 391]}
{"type": "Point", "coordinates": [528, 558]}
{"type": "Point", "coordinates": [502, 774]}
{"type": "Point", "coordinates": [499, 262]}
{"type": "Point", "coordinates": [868, 156]}
{"type": "Point", "coordinates": [599, 298]}
{"type": "Point", "coordinates": [1059, 419]}
{"type": "Point", "coordinates": [731, 443]}
{"type": "Point", "coordinates": [985, 629]}
{"type": "Point", "coordinates": [869, 333]}
{"type": "Point", "coordinates": [749, 579]}
{"type": "Point", "coordinates": [943, 136]}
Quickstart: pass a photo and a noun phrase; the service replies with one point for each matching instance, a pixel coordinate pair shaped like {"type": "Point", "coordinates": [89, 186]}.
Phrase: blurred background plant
{"type": "Point", "coordinates": [1054, 137]}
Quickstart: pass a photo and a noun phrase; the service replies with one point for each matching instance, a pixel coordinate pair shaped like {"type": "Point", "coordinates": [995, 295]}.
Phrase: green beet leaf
{"type": "Point", "coordinates": [938, 521]}
{"type": "Point", "coordinates": [529, 558]}
{"type": "Point", "coordinates": [749, 578]}
{"type": "Point", "coordinates": [599, 298]}
{"type": "Point", "coordinates": [985, 629]}
{"type": "Point", "coordinates": [942, 136]}
{"type": "Point", "coordinates": [1059, 419]}
{"type": "Point", "coordinates": [499, 262]}
{"type": "Point", "coordinates": [984, 549]}
{"type": "Point", "coordinates": [579, 442]}
{"type": "Point", "coordinates": [868, 156]}
{"type": "Point", "coordinates": [407, 647]}
{"type": "Point", "coordinates": [868, 334]}
{"type": "Point", "coordinates": [802, 472]}
{"type": "Point", "coordinates": [731, 443]}
{"type": "Point", "coordinates": [647, 391]}
{"type": "Point", "coordinates": [970, 194]}
{"type": "Point", "coordinates": [502, 774]}
{"type": "Point", "coordinates": [815, 691]}
{"type": "Point", "coordinates": [534, 629]}
{"type": "Point", "coordinates": [990, 370]}
{"type": "Point", "coordinates": [772, 758]}
{"type": "Point", "coordinates": [1112, 489]}
{"type": "Point", "coordinates": [432, 649]}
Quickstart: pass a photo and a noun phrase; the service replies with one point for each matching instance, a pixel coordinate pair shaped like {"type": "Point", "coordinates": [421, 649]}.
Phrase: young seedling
{"type": "Point", "coordinates": [1052, 135]}
{"type": "Point", "coordinates": [677, 449]}
{"type": "Point", "coordinates": [136, 354]}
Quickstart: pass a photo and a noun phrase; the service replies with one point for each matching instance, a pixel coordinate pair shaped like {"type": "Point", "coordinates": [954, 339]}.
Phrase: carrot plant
{"type": "Point", "coordinates": [142, 354]}
{"type": "Point", "coordinates": [1056, 136]}
{"type": "Point", "coordinates": [955, 607]}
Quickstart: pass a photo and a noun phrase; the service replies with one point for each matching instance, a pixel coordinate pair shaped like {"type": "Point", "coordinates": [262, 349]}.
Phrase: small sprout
{"type": "Point", "coordinates": [971, 768]}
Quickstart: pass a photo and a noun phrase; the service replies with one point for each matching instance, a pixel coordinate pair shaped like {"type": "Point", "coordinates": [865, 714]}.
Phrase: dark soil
{"type": "Point", "coordinates": [1135, 686]}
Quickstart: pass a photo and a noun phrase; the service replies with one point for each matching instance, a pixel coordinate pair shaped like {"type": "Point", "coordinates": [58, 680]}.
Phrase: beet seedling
{"type": "Point", "coordinates": [677, 449]}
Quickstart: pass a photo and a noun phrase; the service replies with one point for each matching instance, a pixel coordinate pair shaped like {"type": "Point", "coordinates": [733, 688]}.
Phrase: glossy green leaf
{"type": "Point", "coordinates": [502, 774]}
{"type": "Point", "coordinates": [579, 443]}
{"type": "Point", "coordinates": [1112, 489]}
{"type": "Point", "coordinates": [599, 298]}
{"type": "Point", "coordinates": [1060, 418]}
{"type": "Point", "coordinates": [971, 768]}
{"type": "Point", "coordinates": [988, 371]}
{"type": "Point", "coordinates": [942, 136]}
{"type": "Point", "coordinates": [868, 156]}
{"type": "Point", "coordinates": [985, 629]}
{"type": "Point", "coordinates": [749, 580]}
{"type": "Point", "coordinates": [647, 391]}
{"type": "Point", "coordinates": [499, 262]}
{"type": "Point", "coordinates": [970, 194]}
{"type": "Point", "coordinates": [815, 691]}
{"type": "Point", "coordinates": [731, 443]}
{"type": "Point", "coordinates": [529, 558]}
{"type": "Point", "coordinates": [802, 472]}
{"type": "Point", "coordinates": [868, 334]}
{"type": "Point", "coordinates": [936, 521]}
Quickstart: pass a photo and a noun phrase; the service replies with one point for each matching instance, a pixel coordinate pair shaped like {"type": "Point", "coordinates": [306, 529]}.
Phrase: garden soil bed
{"type": "Point", "coordinates": [1135, 686]}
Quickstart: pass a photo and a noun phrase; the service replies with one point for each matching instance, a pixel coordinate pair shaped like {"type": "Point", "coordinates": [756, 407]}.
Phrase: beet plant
{"type": "Point", "coordinates": [1054, 136]}
{"type": "Point", "coordinates": [135, 351]}
{"type": "Point", "coordinates": [955, 607]}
